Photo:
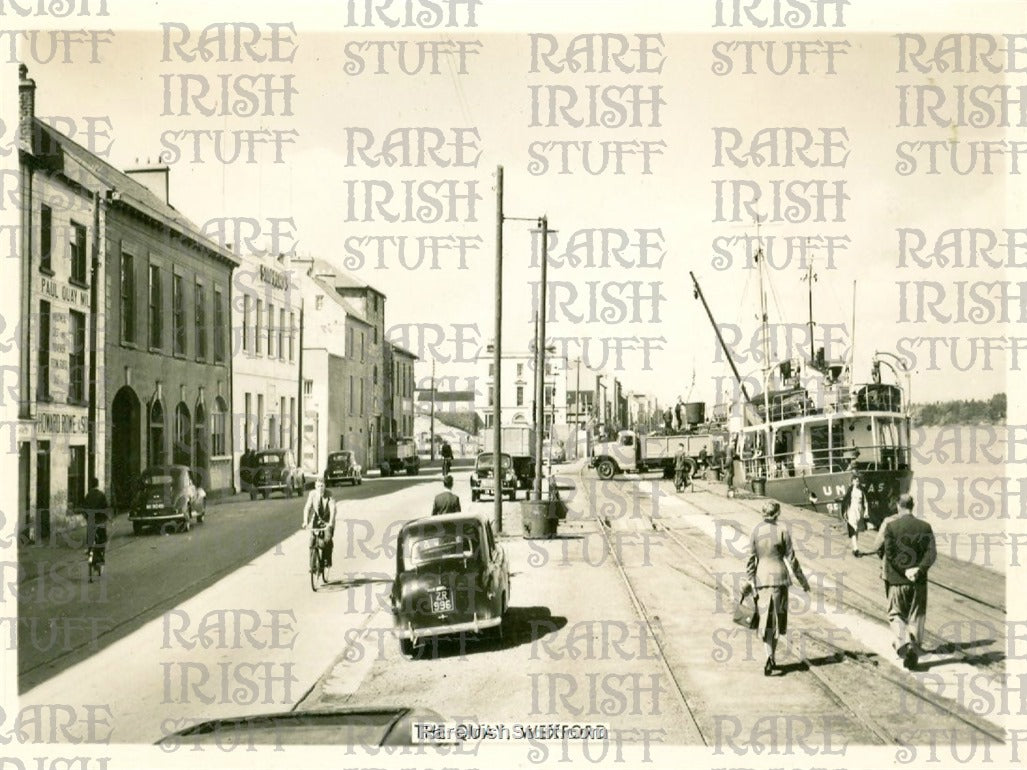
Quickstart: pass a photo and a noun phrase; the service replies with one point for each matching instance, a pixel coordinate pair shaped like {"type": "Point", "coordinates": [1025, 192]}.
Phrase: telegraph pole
{"type": "Point", "coordinates": [540, 362]}
{"type": "Point", "coordinates": [497, 442]}
{"type": "Point", "coordinates": [431, 430]}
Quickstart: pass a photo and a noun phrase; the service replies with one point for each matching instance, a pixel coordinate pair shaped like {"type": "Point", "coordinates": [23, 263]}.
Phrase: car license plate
{"type": "Point", "coordinates": [440, 601]}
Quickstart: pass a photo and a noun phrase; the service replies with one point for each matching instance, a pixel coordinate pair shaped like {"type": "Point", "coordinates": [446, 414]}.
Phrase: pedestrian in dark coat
{"type": "Point", "coordinates": [446, 501]}
{"type": "Point", "coordinates": [907, 547]}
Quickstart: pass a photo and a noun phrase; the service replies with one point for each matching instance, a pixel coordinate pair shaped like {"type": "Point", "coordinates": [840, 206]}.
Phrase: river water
{"type": "Point", "coordinates": [966, 483]}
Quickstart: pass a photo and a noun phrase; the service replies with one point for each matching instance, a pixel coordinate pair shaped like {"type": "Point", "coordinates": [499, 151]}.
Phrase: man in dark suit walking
{"type": "Point", "coordinates": [907, 547]}
{"type": "Point", "coordinates": [446, 501]}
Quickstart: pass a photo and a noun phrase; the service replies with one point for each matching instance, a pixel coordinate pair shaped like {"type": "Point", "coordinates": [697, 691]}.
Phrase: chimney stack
{"type": "Point", "coordinates": [26, 108]}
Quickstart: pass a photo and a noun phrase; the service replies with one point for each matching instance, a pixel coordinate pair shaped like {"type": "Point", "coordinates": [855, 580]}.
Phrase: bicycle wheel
{"type": "Point", "coordinates": [315, 566]}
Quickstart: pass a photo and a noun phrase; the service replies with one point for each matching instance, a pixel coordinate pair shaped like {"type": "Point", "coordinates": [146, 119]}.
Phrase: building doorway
{"type": "Point", "coordinates": [125, 446]}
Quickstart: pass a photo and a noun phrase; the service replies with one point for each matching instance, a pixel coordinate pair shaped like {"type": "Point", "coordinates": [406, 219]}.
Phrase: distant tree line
{"type": "Point", "coordinates": [961, 411]}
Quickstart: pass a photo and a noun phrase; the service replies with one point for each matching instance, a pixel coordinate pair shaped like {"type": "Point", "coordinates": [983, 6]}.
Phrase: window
{"type": "Point", "coordinates": [76, 476]}
{"type": "Point", "coordinates": [78, 254]}
{"type": "Point", "coordinates": [128, 298]}
{"type": "Point", "coordinates": [361, 396]}
{"type": "Point", "coordinates": [292, 335]}
{"type": "Point", "coordinates": [349, 343]}
{"type": "Point", "coordinates": [43, 385]}
{"type": "Point", "coordinates": [292, 422]}
{"type": "Point", "coordinates": [181, 450]}
{"type": "Point", "coordinates": [45, 238]}
{"type": "Point", "coordinates": [281, 333]}
{"type": "Point", "coordinates": [281, 423]}
{"type": "Point", "coordinates": [178, 314]}
{"type": "Point", "coordinates": [352, 394]}
{"type": "Point", "coordinates": [247, 300]}
{"type": "Point", "coordinates": [492, 370]}
{"type": "Point", "coordinates": [375, 374]}
{"type": "Point", "coordinates": [549, 395]}
{"type": "Point", "coordinates": [319, 301]}
{"type": "Point", "coordinates": [218, 424]}
{"type": "Point", "coordinates": [492, 396]}
{"type": "Point", "coordinates": [248, 400]}
{"type": "Point", "coordinates": [520, 395]}
{"type": "Point", "coordinates": [520, 370]}
{"type": "Point", "coordinates": [201, 321]}
{"type": "Point", "coordinates": [157, 453]}
{"type": "Point", "coordinates": [361, 347]}
{"type": "Point", "coordinates": [270, 330]}
{"type": "Point", "coordinates": [219, 327]}
{"type": "Point", "coordinates": [308, 387]}
{"type": "Point", "coordinates": [77, 358]}
{"type": "Point", "coordinates": [258, 345]}
{"type": "Point", "coordinates": [156, 319]}
{"type": "Point", "coordinates": [260, 421]}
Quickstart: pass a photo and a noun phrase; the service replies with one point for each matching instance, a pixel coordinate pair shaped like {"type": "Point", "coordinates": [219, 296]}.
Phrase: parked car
{"type": "Point", "coordinates": [452, 577]}
{"type": "Point", "coordinates": [271, 470]}
{"type": "Point", "coordinates": [342, 466]}
{"type": "Point", "coordinates": [165, 495]}
{"type": "Point", "coordinates": [554, 450]}
{"type": "Point", "coordinates": [483, 481]}
{"type": "Point", "coordinates": [348, 726]}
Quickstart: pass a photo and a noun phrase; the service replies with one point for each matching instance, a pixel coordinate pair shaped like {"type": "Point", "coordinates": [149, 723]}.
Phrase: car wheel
{"type": "Point", "coordinates": [187, 521]}
{"type": "Point", "coordinates": [406, 646]}
{"type": "Point", "coordinates": [266, 493]}
{"type": "Point", "coordinates": [289, 490]}
{"type": "Point", "coordinates": [137, 528]}
{"type": "Point", "coordinates": [202, 513]}
{"type": "Point", "coordinates": [474, 496]}
{"type": "Point", "coordinates": [605, 469]}
{"type": "Point", "coordinates": [360, 480]}
{"type": "Point", "coordinates": [253, 494]}
{"type": "Point", "coordinates": [513, 495]}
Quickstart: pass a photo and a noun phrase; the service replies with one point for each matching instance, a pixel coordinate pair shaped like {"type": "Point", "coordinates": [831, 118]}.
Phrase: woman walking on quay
{"type": "Point", "coordinates": [771, 556]}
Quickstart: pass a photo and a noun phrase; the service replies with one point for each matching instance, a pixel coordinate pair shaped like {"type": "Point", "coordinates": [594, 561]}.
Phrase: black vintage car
{"type": "Point", "coordinates": [483, 477]}
{"type": "Point", "coordinates": [342, 466]}
{"type": "Point", "coordinates": [452, 577]}
{"type": "Point", "coordinates": [167, 495]}
{"type": "Point", "coordinates": [271, 470]}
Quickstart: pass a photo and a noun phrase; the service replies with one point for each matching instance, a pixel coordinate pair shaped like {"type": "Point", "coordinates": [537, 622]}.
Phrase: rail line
{"type": "Point", "coordinates": [654, 631]}
{"type": "Point", "coordinates": [835, 691]}
{"type": "Point", "coordinates": [939, 642]}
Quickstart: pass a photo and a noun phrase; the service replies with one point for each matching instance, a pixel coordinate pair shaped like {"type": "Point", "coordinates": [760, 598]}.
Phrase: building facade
{"type": "Point", "coordinates": [517, 389]}
{"type": "Point", "coordinates": [399, 392]}
{"type": "Point", "coordinates": [124, 334]}
{"type": "Point", "coordinates": [337, 370]}
{"type": "Point", "coordinates": [266, 315]}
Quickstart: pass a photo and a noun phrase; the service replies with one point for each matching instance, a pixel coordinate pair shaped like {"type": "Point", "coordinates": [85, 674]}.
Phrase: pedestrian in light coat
{"type": "Point", "coordinates": [771, 557]}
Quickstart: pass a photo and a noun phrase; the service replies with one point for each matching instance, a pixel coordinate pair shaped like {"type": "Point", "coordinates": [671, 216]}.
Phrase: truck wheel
{"type": "Point", "coordinates": [406, 646]}
{"type": "Point", "coordinates": [474, 496]}
{"type": "Point", "coordinates": [137, 528]}
{"type": "Point", "coordinates": [690, 468]}
{"type": "Point", "coordinates": [605, 469]}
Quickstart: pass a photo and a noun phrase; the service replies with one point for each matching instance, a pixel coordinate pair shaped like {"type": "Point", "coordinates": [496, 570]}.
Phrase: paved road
{"type": "Point", "coordinates": [64, 620]}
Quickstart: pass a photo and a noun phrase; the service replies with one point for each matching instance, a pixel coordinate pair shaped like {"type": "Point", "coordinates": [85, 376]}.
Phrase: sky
{"type": "Point", "coordinates": [635, 316]}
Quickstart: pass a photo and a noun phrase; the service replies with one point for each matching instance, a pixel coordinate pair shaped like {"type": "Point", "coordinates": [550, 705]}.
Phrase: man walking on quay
{"type": "Point", "coordinates": [680, 469]}
{"type": "Point", "coordinates": [446, 501]}
{"type": "Point", "coordinates": [906, 545]}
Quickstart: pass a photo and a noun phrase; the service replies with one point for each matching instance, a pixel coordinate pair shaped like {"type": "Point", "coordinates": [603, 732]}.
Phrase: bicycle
{"type": "Point", "coordinates": [318, 570]}
{"type": "Point", "coordinates": [96, 553]}
{"type": "Point", "coordinates": [447, 464]}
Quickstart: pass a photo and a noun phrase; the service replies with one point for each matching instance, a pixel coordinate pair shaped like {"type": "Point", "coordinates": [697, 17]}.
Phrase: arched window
{"type": "Point", "coordinates": [200, 436]}
{"type": "Point", "coordinates": [157, 454]}
{"type": "Point", "coordinates": [182, 449]}
{"type": "Point", "coordinates": [218, 428]}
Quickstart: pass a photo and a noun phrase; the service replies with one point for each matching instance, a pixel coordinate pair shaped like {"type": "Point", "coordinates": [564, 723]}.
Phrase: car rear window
{"type": "Point", "coordinates": [157, 479]}
{"type": "Point", "coordinates": [485, 461]}
{"type": "Point", "coordinates": [269, 460]}
{"type": "Point", "coordinates": [445, 546]}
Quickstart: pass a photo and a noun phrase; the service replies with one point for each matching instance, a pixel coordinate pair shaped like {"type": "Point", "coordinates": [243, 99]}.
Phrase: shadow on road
{"type": "Point", "coordinates": [521, 625]}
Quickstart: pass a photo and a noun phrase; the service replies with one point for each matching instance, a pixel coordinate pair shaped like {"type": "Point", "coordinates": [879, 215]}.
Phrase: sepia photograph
{"type": "Point", "coordinates": [505, 383]}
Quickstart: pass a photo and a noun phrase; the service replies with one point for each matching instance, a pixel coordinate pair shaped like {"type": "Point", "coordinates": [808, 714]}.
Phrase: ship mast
{"type": "Point", "coordinates": [765, 331]}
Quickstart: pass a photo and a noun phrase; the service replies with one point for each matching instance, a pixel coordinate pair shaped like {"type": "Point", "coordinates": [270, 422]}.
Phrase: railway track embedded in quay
{"type": "Point", "coordinates": [842, 684]}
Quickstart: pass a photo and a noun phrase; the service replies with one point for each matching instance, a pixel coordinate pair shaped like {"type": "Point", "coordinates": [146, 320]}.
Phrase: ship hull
{"type": "Point", "coordinates": [823, 491]}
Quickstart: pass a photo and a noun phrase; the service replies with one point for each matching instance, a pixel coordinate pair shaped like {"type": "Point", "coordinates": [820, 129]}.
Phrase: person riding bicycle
{"type": "Point", "coordinates": [319, 513]}
{"type": "Point", "coordinates": [447, 458]}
